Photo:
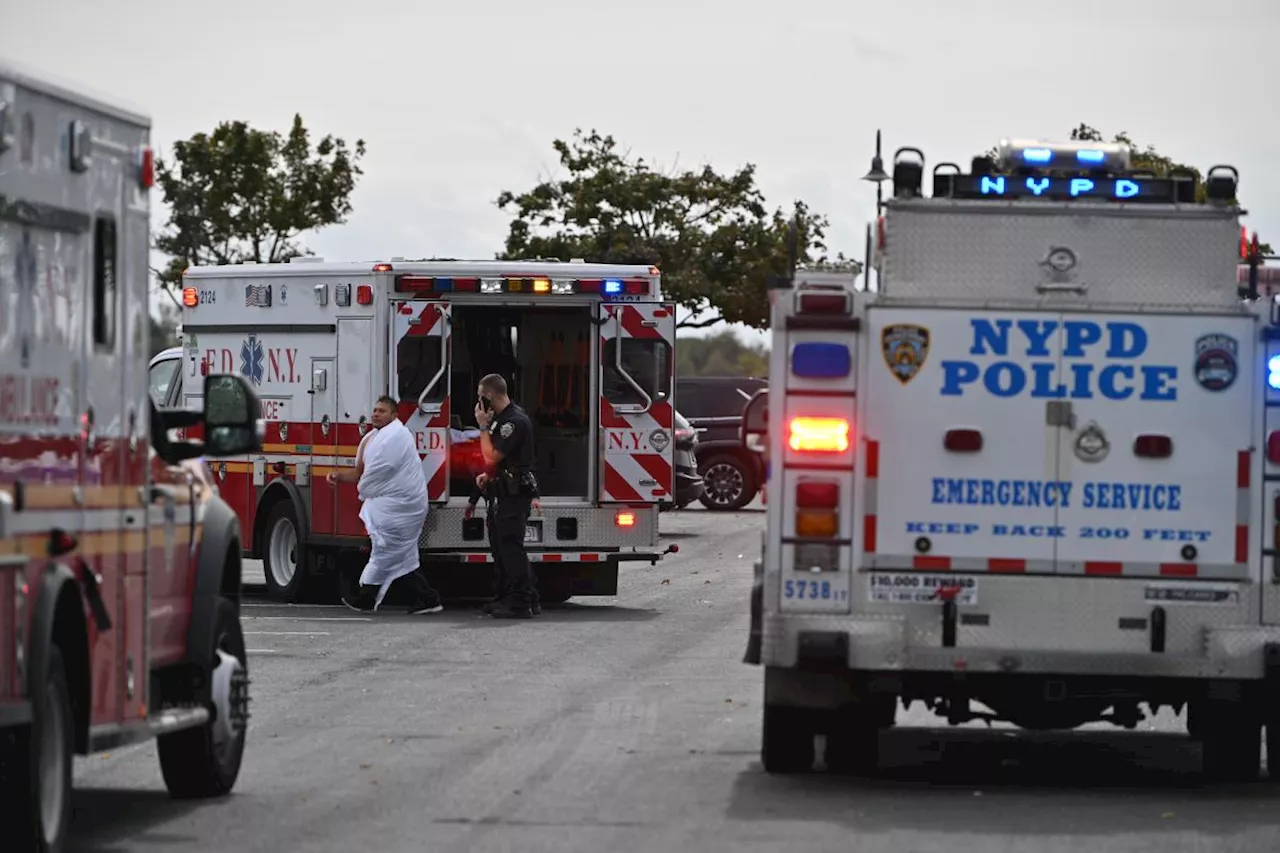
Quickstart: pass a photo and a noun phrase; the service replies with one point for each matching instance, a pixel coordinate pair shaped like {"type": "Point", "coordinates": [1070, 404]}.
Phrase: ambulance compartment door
{"type": "Point", "coordinates": [637, 361]}
{"type": "Point", "coordinates": [420, 358]}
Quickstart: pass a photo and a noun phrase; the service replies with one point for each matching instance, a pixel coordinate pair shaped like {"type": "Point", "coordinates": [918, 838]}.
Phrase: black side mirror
{"type": "Point", "coordinates": [233, 421]}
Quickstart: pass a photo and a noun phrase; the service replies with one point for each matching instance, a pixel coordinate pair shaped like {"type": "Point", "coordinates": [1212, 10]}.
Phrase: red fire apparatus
{"type": "Point", "coordinates": [588, 350]}
{"type": "Point", "coordinates": [119, 564]}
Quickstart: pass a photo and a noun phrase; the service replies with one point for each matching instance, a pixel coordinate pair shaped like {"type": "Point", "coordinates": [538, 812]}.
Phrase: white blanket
{"type": "Point", "coordinates": [394, 490]}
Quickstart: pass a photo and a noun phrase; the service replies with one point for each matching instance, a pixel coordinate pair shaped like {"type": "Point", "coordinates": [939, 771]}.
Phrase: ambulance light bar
{"type": "Point", "coordinates": [553, 287]}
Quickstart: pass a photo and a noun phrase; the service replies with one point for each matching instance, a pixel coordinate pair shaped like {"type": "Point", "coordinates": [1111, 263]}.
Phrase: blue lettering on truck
{"type": "Point", "coordinates": [1161, 497]}
{"type": "Point", "coordinates": [1120, 342]}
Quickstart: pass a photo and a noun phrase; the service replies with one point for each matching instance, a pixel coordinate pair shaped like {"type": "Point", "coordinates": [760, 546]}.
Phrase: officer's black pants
{"type": "Point", "coordinates": [514, 581]}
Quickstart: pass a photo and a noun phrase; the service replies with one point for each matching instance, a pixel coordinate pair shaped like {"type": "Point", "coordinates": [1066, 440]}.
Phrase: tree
{"type": "Point", "coordinates": [720, 354]}
{"type": "Point", "coordinates": [715, 241]}
{"type": "Point", "coordinates": [1146, 159]}
{"type": "Point", "coordinates": [241, 194]}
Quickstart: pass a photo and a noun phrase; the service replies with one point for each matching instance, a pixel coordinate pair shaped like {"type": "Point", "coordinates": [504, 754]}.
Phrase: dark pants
{"type": "Point", "coordinates": [514, 582]}
{"type": "Point", "coordinates": [416, 588]}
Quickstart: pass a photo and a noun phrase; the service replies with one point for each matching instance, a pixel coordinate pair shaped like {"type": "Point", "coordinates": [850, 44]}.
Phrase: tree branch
{"type": "Point", "coordinates": [699, 324]}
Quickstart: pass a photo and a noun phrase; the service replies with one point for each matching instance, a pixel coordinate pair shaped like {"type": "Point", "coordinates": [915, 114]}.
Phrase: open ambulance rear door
{"type": "Point", "coordinates": [421, 336]}
{"type": "Point", "coordinates": [637, 361]}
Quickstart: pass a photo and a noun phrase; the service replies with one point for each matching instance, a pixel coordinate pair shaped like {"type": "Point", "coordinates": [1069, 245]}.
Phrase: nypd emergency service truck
{"type": "Point", "coordinates": [1035, 477]}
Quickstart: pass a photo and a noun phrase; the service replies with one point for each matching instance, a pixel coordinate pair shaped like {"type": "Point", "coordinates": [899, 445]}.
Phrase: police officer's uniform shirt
{"type": "Point", "coordinates": [512, 435]}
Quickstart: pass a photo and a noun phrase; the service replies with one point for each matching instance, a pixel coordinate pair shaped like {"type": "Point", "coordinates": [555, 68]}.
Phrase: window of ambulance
{"type": "Point", "coordinates": [418, 362]}
{"type": "Point", "coordinates": [647, 363]}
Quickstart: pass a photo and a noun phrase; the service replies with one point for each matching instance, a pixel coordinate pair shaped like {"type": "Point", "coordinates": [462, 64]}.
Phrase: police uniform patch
{"type": "Point", "coordinates": [1216, 366]}
{"type": "Point", "coordinates": [506, 429]}
{"type": "Point", "coordinates": [905, 347]}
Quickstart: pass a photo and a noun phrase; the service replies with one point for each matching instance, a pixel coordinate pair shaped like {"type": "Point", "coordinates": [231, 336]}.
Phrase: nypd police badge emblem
{"type": "Point", "coordinates": [506, 429]}
{"type": "Point", "coordinates": [1216, 366]}
{"type": "Point", "coordinates": [658, 440]}
{"type": "Point", "coordinates": [905, 347]}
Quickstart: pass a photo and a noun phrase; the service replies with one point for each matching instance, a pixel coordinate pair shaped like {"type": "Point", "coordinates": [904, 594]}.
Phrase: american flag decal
{"type": "Point", "coordinates": [257, 295]}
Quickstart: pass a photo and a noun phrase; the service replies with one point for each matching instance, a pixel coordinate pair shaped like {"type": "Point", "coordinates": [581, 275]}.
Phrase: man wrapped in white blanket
{"type": "Point", "coordinates": [393, 490]}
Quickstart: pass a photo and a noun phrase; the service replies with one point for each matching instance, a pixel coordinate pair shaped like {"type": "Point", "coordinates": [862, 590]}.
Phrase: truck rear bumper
{"type": "Point", "coordinates": [881, 643]}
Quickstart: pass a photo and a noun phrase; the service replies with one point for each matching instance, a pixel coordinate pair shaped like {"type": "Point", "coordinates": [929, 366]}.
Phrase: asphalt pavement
{"type": "Point", "coordinates": [627, 724]}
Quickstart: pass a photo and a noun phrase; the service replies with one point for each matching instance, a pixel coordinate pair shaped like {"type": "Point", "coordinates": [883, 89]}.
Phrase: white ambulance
{"type": "Point", "coordinates": [1034, 477]}
{"type": "Point", "coordinates": [586, 348]}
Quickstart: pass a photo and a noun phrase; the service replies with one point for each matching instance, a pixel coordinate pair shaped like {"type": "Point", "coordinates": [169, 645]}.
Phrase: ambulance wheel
{"type": "Point", "coordinates": [787, 740]}
{"type": "Point", "coordinates": [730, 482]}
{"type": "Point", "coordinates": [35, 772]}
{"type": "Point", "coordinates": [1230, 735]}
{"type": "Point", "coordinates": [205, 761]}
{"type": "Point", "coordinates": [284, 555]}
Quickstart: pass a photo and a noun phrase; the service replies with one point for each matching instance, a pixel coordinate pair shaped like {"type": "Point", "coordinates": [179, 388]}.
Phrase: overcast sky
{"type": "Point", "coordinates": [457, 102]}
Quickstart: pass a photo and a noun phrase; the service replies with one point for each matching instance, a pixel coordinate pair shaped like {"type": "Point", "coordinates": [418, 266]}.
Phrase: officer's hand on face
{"type": "Point", "coordinates": [484, 417]}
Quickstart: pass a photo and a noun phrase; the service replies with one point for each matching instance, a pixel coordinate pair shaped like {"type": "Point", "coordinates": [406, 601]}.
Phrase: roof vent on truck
{"type": "Point", "coordinates": [1077, 170]}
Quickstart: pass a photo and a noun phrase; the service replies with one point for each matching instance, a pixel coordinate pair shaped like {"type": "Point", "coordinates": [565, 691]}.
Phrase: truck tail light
{"type": "Point", "coordinates": [962, 440]}
{"type": "Point", "coordinates": [818, 435]}
{"type": "Point", "coordinates": [190, 297]}
{"type": "Point", "coordinates": [1153, 446]}
{"type": "Point", "coordinates": [625, 519]}
{"type": "Point", "coordinates": [817, 509]}
{"type": "Point", "coordinates": [823, 303]}
{"type": "Point", "coordinates": [1273, 448]}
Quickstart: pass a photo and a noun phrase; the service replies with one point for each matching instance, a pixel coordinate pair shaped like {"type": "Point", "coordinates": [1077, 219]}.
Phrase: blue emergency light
{"type": "Point", "coordinates": [612, 285]}
{"type": "Point", "coordinates": [821, 360]}
{"type": "Point", "coordinates": [1273, 372]}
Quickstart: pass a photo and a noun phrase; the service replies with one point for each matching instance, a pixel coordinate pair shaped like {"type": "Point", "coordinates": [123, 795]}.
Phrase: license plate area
{"type": "Point", "coordinates": [533, 532]}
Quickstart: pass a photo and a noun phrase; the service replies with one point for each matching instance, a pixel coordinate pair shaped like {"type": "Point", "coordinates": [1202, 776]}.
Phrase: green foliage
{"type": "Point", "coordinates": [241, 194]}
{"type": "Point", "coordinates": [1142, 159]}
{"type": "Point", "coordinates": [720, 354]}
{"type": "Point", "coordinates": [163, 332]}
{"type": "Point", "coordinates": [717, 244]}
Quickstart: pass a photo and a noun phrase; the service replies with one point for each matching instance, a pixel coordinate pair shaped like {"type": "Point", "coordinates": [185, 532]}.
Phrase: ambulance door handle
{"type": "Point", "coordinates": [1062, 288]}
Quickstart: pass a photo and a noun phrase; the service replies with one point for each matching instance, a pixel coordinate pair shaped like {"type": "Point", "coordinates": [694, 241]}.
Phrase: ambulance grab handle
{"type": "Point", "coordinates": [622, 371]}
{"type": "Point", "coordinates": [1061, 288]}
{"type": "Point", "coordinates": [444, 364]}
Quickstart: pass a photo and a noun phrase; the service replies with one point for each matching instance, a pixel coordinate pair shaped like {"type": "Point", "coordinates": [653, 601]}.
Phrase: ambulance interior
{"type": "Point", "coordinates": [544, 353]}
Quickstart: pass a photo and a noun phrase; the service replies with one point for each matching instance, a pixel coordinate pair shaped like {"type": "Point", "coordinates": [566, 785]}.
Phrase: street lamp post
{"type": "Point", "coordinates": [876, 176]}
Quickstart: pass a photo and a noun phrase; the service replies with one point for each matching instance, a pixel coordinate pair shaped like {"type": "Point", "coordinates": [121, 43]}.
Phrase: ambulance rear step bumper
{"type": "Point", "coordinates": [169, 720]}
{"type": "Point", "coordinates": [881, 644]}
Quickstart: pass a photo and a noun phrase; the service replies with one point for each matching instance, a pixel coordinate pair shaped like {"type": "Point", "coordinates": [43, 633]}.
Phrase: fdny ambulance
{"type": "Point", "coordinates": [119, 564]}
{"type": "Point", "coordinates": [1033, 478]}
{"type": "Point", "coordinates": [586, 348]}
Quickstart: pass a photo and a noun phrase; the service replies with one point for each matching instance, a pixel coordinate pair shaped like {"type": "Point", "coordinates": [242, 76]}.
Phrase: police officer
{"type": "Point", "coordinates": [506, 441]}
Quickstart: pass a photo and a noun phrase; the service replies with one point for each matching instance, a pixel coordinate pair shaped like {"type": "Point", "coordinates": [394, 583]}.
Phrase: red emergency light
{"type": "Point", "coordinates": [146, 167]}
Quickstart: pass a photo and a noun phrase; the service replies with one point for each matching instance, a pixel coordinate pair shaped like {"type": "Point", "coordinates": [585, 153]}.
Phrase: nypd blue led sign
{"type": "Point", "coordinates": [1065, 188]}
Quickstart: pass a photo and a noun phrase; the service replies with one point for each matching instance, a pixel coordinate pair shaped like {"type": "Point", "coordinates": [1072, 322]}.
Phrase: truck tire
{"type": "Point", "coordinates": [853, 741]}
{"type": "Point", "coordinates": [284, 556]}
{"type": "Point", "coordinates": [1230, 735]}
{"type": "Point", "coordinates": [35, 771]}
{"type": "Point", "coordinates": [787, 741]}
{"type": "Point", "coordinates": [205, 761]}
{"type": "Point", "coordinates": [730, 482]}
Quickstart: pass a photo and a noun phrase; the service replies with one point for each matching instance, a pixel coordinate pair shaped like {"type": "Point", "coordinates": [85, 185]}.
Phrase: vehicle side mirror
{"type": "Point", "coordinates": [233, 422]}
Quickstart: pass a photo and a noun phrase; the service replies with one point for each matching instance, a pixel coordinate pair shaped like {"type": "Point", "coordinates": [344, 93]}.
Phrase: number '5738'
{"type": "Point", "coordinates": [812, 590]}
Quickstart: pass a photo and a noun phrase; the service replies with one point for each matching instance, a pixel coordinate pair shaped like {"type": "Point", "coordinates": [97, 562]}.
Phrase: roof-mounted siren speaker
{"type": "Point", "coordinates": [1184, 185]}
{"type": "Point", "coordinates": [944, 183]}
{"type": "Point", "coordinates": [1220, 187]}
{"type": "Point", "coordinates": [908, 174]}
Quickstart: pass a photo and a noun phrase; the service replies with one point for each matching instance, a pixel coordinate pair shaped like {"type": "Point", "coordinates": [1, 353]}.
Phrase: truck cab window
{"type": "Point", "coordinates": [104, 284]}
{"type": "Point", "coordinates": [646, 362]}
{"type": "Point", "coordinates": [418, 362]}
